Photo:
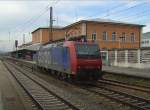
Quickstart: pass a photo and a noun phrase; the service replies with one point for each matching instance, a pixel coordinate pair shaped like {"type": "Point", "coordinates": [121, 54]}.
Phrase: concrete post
{"type": "Point", "coordinates": [139, 56]}
{"type": "Point", "coordinates": [126, 57]}
{"type": "Point", "coordinates": [107, 57]}
{"type": "Point", "coordinates": [115, 62]}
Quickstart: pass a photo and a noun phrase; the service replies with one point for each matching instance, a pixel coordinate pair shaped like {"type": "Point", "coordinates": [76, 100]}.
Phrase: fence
{"type": "Point", "coordinates": [138, 58]}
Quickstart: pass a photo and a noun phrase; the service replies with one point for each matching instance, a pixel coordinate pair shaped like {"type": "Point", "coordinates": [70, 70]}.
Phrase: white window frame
{"type": "Point", "coordinates": [106, 37]}
{"type": "Point", "coordinates": [114, 36]}
{"type": "Point", "coordinates": [123, 38]}
{"type": "Point", "coordinates": [132, 40]}
{"type": "Point", "coordinates": [94, 36]}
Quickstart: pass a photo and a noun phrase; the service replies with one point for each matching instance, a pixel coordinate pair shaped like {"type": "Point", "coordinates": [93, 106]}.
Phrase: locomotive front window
{"type": "Point", "coordinates": [87, 50]}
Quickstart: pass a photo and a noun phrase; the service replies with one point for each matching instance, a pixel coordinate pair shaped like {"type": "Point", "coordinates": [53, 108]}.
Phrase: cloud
{"type": "Point", "coordinates": [8, 8]}
{"type": "Point", "coordinates": [79, 3]}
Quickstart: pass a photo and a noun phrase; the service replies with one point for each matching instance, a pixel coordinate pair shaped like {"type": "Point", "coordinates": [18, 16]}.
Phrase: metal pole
{"type": "Point", "coordinates": [9, 36]}
{"type": "Point", "coordinates": [51, 25]}
{"type": "Point", "coordinates": [23, 38]}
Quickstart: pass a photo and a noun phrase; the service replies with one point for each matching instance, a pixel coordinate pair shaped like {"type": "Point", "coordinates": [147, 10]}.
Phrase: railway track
{"type": "Point", "coordinates": [44, 99]}
{"type": "Point", "coordinates": [133, 101]}
{"type": "Point", "coordinates": [125, 85]}
{"type": "Point", "coordinates": [118, 83]}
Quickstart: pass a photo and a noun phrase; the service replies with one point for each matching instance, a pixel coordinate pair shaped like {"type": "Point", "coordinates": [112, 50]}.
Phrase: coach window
{"type": "Point", "coordinates": [132, 37]}
{"type": "Point", "coordinates": [94, 36]}
{"type": "Point", "coordinates": [113, 36]}
{"type": "Point", "coordinates": [104, 35]}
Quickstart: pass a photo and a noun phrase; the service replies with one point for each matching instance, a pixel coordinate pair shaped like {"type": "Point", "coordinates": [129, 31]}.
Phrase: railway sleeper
{"type": "Point", "coordinates": [56, 107]}
{"type": "Point", "coordinates": [121, 96]}
{"type": "Point", "coordinates": [53, 105]}
{"type": "Point", "coordinates": [133, 101]}
{"type": "Point", "coordinates": [46, 100]}
{"type": "Point", "coordinates": [146, 106]}
{"type": "Point", "coordinates": [53, 99]}
{"type": "Point", "coordinates": [52, 102]}
{"type": "Point", "coordinates": [115, 95]}
{"type": "Point", "coordinates": [42, 96]}
{"type": "Point", "coordinates": [127, 99]}
{"type": "Point", "coordinates": [107, 93]}
{"type": "Point", "coordinates": [141, 103]}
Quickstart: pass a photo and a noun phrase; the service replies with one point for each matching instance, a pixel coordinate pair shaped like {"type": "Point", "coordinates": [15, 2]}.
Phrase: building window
{"type": "Point", "coordinates": [113, 36]}
{"type": "Point", "coordinates": [123, 37]}
{"type": "Point", "coordinates": [94, 36]}
{"type": "Point", "coordinates": [132, 37]}
{"type": "Point", "coordinates": [104, 35]}
{"type": "Point", "coordinates": [147, 41]}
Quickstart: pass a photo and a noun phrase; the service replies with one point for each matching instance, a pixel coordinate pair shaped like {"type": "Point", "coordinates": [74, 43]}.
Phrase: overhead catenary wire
{"type": "Point", "coordinates": [135, 14]}
{"type": "Point", "coordinates": [112, 8]}
{"type": "Point", "coordinates": [33, 20]}
{"type": "Point", "coordinates": [110, 13]}
{"type": "Point", "coordinates": [123, 10]}
{"type": "Point", "coordinates": [42, 11]}
{"type": "Point", "coordinates": [118, 12]}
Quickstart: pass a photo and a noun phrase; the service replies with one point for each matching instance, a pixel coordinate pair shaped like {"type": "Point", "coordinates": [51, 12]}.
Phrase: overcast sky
{"type": "Point", "coordinates": [22, 17]}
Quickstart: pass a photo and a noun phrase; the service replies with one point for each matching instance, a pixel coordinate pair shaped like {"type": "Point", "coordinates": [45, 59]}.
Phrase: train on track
{"type": "Point", "coordinates": [71, 60]}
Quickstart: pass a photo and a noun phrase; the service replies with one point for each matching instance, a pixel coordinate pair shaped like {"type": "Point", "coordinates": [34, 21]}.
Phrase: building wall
{"type": "Point", "coordinates": [45, 35]}
{"type": "Point", "coordinates": [42, 35]}
{"type": "Point", "coordinates": [58, 34]}
{"type": "Point", "coordinates": [75, 30]}
{"type": "Point", "coordinates": [36, 36]}
{"type": "Point", "coordinates": [145, 42]}
{"type": "Point", "coordinates": [99, 28]}
{"type": "Point", "coordinates": [88, 28]}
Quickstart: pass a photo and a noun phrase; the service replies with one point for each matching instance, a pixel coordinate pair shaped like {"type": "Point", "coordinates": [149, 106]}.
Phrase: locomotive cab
{"type": "Point", "coordinates": [88, 60]}
{"type": "Point", "coordinates": [85, 60]}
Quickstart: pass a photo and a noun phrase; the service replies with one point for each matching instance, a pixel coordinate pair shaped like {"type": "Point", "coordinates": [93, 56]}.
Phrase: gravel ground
{"type": "Point", "coordinates": [1, 104]}
{"type": "Point", "coordinates": [129, 91]}
{"type": "Point", "coordinates": [128, 79]}
{"type": "Point", "coordinates": [87, 100]}
{"type": "Point", "coordinates": [13, 95]}
{"type": "Point", "coordinates": [10, 98]}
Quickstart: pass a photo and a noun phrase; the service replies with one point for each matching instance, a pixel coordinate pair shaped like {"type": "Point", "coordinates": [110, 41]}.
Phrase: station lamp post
{"type": "Point", "coordinates": [16, 45]}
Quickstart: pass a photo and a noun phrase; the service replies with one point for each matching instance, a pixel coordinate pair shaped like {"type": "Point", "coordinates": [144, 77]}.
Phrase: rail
{"type": "Point", "coordinates": [43, 97]}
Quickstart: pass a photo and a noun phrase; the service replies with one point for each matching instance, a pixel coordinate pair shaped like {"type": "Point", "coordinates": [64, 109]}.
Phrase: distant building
{"type": "Point", "coordinates": [145, 41]}
{"type": "Point", "coordinates": [109, 34]}
{"type": "Point", "coordinates": [24, 45]}
{"type": "Point", "coordinates": [41, 35]}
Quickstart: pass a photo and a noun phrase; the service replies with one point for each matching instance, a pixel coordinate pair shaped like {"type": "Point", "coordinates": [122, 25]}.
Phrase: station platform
{"type": "Point", "coordinates": [1, 104]}
{"type": "Point", "coordinates": [135, 72]}
{"type": "Point", "coordinates": [143, 73]}
{"type": "Point", "coordinates": [10, 99]}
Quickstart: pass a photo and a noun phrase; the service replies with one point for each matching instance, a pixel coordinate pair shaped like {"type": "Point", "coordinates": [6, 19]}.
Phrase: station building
{"type": "Point", "coordinates": [41, 35]}
{"type": "Point", "coordinates": [109, 34]}
{"type": "Point", "coordinates": [145, 40]}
